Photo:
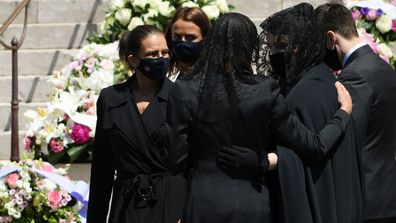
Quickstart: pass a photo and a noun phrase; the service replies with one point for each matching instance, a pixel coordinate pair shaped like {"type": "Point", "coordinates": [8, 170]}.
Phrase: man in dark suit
{"type": "Point", "coordinates": [372, 85]}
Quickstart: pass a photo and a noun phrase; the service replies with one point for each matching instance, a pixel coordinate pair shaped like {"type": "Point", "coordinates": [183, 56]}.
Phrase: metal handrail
{"type": "Point", "coordinates": [15, 45]}
{"type": "Point", "coordinates": [23, 4]}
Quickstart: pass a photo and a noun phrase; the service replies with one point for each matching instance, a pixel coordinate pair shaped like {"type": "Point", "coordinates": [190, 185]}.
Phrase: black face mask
{"type": "Point", "coordinates": [278, 64]}
{"type": "Point", "coordinates": [155, 69]}
{"type": "Point", "coordinates": [187, 52]}
{"type": "Point", "coordinates": [331, 59]}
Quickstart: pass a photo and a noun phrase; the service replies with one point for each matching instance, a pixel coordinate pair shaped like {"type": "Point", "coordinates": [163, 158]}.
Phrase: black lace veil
{"type": "Point", "coordinates": [224, 67]}
{"type": "Point", "coordinates": [297, 34]}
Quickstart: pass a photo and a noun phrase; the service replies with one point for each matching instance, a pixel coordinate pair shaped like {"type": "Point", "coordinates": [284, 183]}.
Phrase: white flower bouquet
{"type": "Point", "coordinates": [127, 14]}
{"type": "Point", "coordinates": [36, 192]}
{"type": "Point", "coordinates": [376, 22]}
{"type": "Point", "coordinates": [64, 130]}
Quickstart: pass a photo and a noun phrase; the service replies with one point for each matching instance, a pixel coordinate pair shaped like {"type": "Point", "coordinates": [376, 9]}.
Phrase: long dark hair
{"type": "Point", "coordinates": [229, 46]}
{"type": "Point", "coordinates": [224, 69]}
{"type": "Point", "coordinates": [188, 14]}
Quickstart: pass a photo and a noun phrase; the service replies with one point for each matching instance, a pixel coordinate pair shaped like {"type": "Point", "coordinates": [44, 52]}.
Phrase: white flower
{"type": "Point", "coordinates": [108, 50]}
{"type": "Point", "coordinates": [46, 185]}
{"type": "Point", "coordinates": [155, 4]}
{"type": "Point", "coordinates": [189, 4]}
{"type": "Point", "coordinates": [116, 4]}
{"type": "Point", "coordinates": [385, 50]}
{"type": "Point", "coordinates": [150, 14]}
{"type": "Point", "coordinates": [30, 114]}
{"type": "Point", "coordinates": [135, 21]}
{"type": "Point", "coordinates": [211, 11]}
{"type": "Point", "coordinates": [384, 23]}
{"type": "Point", "coordinates": [165, 9]}
{"type": "Point", "coordinates": [140, 3]}
{"type": "Point", "coordinates": [123, 16]}
{"type": "Point", "coordinates": [222, 5]}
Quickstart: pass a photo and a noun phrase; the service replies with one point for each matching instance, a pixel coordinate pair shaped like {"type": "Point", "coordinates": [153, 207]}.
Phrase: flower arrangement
{"type": "Point", "coordinates": [376, 22]}
{"type": "Point", "coordinates": [127, 14]}
{"type": "Point", "coordinates": [64, 130]}
{"type": "Point", "coordinates": [36, 192]}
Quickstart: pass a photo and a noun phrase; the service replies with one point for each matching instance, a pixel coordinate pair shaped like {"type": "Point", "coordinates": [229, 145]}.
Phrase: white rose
{"type": "Point", "coordinates": [385, 50]}
{"type": "Point", "coordinates": [190, 4]}
{"type": "Point", "coordinates": [384, 23]}
{"type": "Point", "coordinates": [165, 10]}
{"type": "Point", "coordinates": [30, 114]}
{"type": "Point", "coordinates": [135, 21]}
{"type": "Point", "coordinates": [116, 4]}
{"type": "Point", "coordinates": [140, 3]}
{"type": "Point", "coordinates": [222, 5]}
{"type": "Point", "coordinates": [123, 16]}
{"type": "Point", "coordinates": [211, 11]}
{"type": "Point", "coordinates": [155, 4]}
{"type": "Point", "coordinates": [150, 14]}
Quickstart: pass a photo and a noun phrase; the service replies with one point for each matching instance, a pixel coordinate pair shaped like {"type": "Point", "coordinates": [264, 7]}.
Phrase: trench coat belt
{"type": "Point", "coordinates": [141, 187]}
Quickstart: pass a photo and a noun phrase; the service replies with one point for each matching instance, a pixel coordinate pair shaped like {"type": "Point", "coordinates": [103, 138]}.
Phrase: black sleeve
{"type": "Point", "coordinates": [296, 136]}
{"type": "Point", "coordinates": [363, 98]}
{"type": "Point", "coordinates": [179, 120]}
{"type": "Point", "coordinates": [102, 172]}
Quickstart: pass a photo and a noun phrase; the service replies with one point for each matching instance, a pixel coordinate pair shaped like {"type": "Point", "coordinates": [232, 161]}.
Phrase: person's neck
{"type": "Point", "coordinates": [347, 44]}
{"type": "Point", "coordinates": [145, 87]}
{"type": "Point", "coordinates": [183, 67]}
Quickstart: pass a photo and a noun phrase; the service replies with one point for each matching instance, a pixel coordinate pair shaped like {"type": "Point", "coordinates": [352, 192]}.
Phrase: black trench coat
{"type": "Point", "coordinates": [146, 189]}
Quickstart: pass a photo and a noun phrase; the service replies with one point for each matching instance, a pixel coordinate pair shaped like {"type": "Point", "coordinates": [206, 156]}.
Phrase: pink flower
{"type": "Point", "coordinates": [356, 14]}
{"type": "Point", "coordinates": [369, 39]}
{"type": "Point", "coordinates": [394, 25]}
{"type": "Point", "coordinates": [56, 146]}
{"type": "Point", "coordinates": [66, 117]}
{"type": "Point", "coordinates": [54, 198]}
{"type": "Point", "coordinates": [80, 133]}
{"type": "Point", "coordinates": [393, 2]}
{"type": "Point", "coordinates": [385, 58]}
{"type": "Point", "coordinates": [371, 15]}
{"type": "Point", "coordinates": [76, 65]}
{"type": "Point", "coordinates": [27, 142]}
{"type": "Point", "coordinates": [12, 180]}
{"type": "Point", "coordinates": [47, 167]}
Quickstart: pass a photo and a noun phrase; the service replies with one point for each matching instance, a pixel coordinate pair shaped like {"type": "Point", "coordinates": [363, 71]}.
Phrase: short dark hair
{"type": "Point", "coordinates": [189, 14]}
{"type": "Point", "coordinates": [337, 18]}
{"type": "Point", "coordinates": [131, 41]}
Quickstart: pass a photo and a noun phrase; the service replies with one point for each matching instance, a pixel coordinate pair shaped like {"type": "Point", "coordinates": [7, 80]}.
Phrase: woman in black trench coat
{"type": "Point", "coordinates": [131, 139]}
{"type": "Point", "coordinates": [221, 103]}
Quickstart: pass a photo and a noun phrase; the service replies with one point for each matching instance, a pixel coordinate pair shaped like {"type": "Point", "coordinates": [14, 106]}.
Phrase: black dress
{"type": "Point", "coordinates": [135, 145]}
{"type": "Point", "coordinates": [325, 187]}
{"type": "Point", "coordinates": [233, 196]}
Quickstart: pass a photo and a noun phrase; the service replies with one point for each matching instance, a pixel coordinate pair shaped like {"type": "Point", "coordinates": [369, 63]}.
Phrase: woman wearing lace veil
{"type": "Point", "coordinates": [314, 187]}
{"type": "Point", "coordinates": [220, 103]}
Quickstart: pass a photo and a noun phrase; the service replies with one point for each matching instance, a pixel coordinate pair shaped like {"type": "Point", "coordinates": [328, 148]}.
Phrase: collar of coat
{"type": "Point", "coordinates": [123, 92]}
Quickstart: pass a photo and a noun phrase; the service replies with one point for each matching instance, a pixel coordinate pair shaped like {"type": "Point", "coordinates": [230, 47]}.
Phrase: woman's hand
{"type": "Point", "coordinates": [273, 161]}
{"type": "Point", "coordinates": [344, 98]}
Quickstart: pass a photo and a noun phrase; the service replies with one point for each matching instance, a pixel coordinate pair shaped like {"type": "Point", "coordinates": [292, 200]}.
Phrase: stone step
{"type": "Point", "coordinates": [5, 113]}
{"type": "Point", "coordinates": [5, 142]}
{"type": "Point", "coordinates": [52, 36]}
{"type": "Point", "coordinates": [41, 62]}
{"type": "Point", "coordinates": [56, 11]}
{"type": "Point", "coordinates": [30, 89]}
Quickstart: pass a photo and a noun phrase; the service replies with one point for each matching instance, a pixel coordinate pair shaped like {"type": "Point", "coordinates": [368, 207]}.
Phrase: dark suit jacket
{"type": "Point", "coordinates": [135, 145]}
{"type": "Point", "coordinates": [372, 85]}
{"type": "Point", "coordinates": [324, 188]}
